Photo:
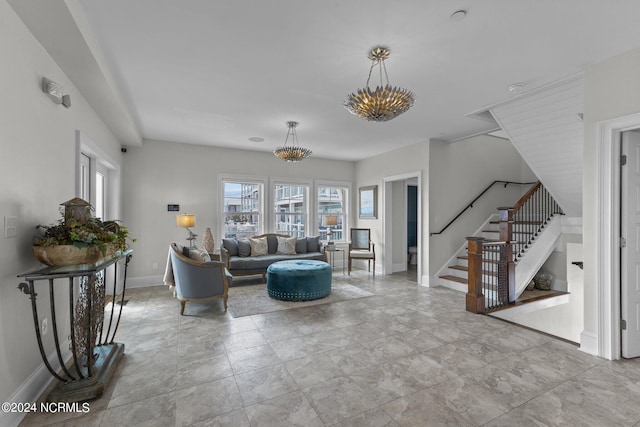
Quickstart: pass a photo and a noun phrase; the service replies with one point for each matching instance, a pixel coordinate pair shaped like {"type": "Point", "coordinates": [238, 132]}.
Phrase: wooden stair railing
{"type": "Point", "coordinates": [470, 205]}
{"type": "Point", "coordinates": [527, 218]}
{"type": "Point", "coordinates": [524, 221]}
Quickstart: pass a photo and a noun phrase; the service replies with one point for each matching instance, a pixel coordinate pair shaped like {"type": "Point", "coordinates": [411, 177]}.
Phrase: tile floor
{"type": "Point", "coordinates": [408, 356]}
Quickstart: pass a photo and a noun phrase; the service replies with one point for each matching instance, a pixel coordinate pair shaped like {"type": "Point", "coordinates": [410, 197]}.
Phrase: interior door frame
{"type": "Point", "coordinates": [387, 220]}
{"type": "Point", "coordinates": [607, 268]}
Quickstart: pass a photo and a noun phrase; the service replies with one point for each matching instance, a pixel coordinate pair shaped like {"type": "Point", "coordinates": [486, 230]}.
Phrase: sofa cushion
{"type": "Point", "coordinates": [199, 255]}
{"type": "Point", "coordinates": [231, 245]}
{"type": "Point", "coordinates": [313, 244]}
{"type": "Point", "coordinates": [301, 245]}
{"type": "Point", "coordinates": [258, 246]}
{"type": "Point", "coordinates": [286, 246]}
{"type": "Point", "coordinates": [240, 264]}
{"type": "Point", "coordinates": [272, 243]}
{"type": "Point", "coordinates": [244, 248]}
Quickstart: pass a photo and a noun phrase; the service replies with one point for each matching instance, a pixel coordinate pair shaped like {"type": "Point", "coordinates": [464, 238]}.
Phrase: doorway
{"type": "Point", "coordinates": [606, 339]}
{"type": "Point", "coordinates": [395, 220]}
{"type": "Point", "coordinates": [630, 243]}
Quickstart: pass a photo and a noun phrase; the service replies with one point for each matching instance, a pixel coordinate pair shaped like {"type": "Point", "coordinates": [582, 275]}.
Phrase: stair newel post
{"type": "Point", "coordinates": [506, 263]}
{"type": "Point", "coordinates": [475, 297]}
{"type": "Point", "coordinates": [506, 224]}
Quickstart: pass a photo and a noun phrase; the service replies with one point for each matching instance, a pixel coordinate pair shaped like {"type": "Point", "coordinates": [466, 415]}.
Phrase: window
{"type": "Point", "coordinates": [290, 211]}
{"type": "Point", "coordinates": [97, 179]}
{"type": "Point", "coordinates": [332, 211]}
{"type": "Point", "coordinates": [242, 211]}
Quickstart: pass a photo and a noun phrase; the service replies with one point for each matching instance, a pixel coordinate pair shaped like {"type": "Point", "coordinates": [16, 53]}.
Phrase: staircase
{"type": "Point", "coordinates": [456, 276]}
{"type": "Point", "coordinates": [506, 252]}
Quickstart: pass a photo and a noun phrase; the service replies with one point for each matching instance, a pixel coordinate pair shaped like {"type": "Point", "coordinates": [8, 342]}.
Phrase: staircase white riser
{"type": "Point", "coordinates": [464, 274]}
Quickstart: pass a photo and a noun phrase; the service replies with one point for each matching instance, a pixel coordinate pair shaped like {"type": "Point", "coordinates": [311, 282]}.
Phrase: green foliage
{"type": "Point", "coordinates": [69, 231]}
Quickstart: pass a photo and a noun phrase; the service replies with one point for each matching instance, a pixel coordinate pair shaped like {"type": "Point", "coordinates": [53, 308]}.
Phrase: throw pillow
{"type": "Point", "coordinates": [313, 244]}
{"type": "Point", "coordinates": [231, 245]}
{"type": "Point", "coordinates": [244, 248]}
{"type": "Point", "coordinates": [258, 246]}
{"type": "Point", "coordinates": [286, 245]}
{"type": "Point", "coordinates": [301, 246]}
{"type": "Point", "coordinates": [272, 243]}
{"type": "Point", "coordinates": [199, 255]}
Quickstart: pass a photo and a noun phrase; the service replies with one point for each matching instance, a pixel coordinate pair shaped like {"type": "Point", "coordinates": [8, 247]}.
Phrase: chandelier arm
{"type": "Point", "coordinates": [373, 63]}
{"type": "Point", "coordinates": [385, 73]}
{"type": "Point", "coordinates": [286, 140]}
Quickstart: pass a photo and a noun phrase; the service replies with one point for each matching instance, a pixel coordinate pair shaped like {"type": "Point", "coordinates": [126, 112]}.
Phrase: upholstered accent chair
{"type": "Point", "coordinates": [361, 247]}
{"type": "Point", "coordinates": [197, 280]}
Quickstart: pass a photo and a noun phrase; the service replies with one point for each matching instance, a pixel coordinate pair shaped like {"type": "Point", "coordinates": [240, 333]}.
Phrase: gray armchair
{"type": "Point", "coordinates": [361, 247]}
{"type": "Point", "coordinates": [198, 281]}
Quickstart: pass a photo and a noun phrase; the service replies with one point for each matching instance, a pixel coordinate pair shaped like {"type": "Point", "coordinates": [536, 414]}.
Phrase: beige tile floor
{"type": "Point", "coordinates": [408, 356]}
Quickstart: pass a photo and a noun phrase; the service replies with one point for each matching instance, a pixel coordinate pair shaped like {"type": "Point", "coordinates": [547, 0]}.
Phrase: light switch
{"type": "Point", "coordinates": [10, 226]}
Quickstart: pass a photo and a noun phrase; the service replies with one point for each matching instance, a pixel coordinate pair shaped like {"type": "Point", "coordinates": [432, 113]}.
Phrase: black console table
{"type": "Point", "coordinates": [95, 355]}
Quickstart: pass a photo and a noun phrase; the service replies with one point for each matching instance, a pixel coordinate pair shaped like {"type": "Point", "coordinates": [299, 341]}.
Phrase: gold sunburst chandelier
{"type": "Point", "coordinates": [385, 102]}
{"type": "Point", "coordinates": [293, 152]}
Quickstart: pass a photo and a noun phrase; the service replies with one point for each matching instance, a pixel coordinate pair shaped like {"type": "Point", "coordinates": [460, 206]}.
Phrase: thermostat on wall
{"type": "Point", "coordinates": [173, 208]}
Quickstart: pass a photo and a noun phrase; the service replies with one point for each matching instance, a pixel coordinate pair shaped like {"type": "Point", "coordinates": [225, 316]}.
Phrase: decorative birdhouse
{"type": "Point", "coordinates": [78, 209]}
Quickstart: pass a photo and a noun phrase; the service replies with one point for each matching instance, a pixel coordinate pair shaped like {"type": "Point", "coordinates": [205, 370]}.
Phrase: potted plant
{"type": "Point", "coordinates": [78, 238]}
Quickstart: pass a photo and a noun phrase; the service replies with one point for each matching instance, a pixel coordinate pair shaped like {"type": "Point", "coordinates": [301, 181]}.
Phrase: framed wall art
{"type": "Point", "coordinates": [368, 202]}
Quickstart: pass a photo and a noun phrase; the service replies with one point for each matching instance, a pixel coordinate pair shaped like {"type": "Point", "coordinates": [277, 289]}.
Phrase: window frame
{"type": "Point", "coordinates": [307, 202]}
{"type": "Point", "coordinates": [241, 179]}
{"type": "Point", "coordinates": [346, 221]}
{"type": "Point", "coordinates": [90, 161]}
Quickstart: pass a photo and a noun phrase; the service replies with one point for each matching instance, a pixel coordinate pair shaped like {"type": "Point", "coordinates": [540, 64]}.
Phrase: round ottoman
{"type": "Point", "coordinates": [299, 280]}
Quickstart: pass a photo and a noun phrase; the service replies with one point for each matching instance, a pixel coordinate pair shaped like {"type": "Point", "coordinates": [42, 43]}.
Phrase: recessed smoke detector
{"type": "Point", "coordinates": [256, 139]}
{"type": "Point", "coordinates": [458, 15]}
{"type": "Point", "coordinates": [515, 88]}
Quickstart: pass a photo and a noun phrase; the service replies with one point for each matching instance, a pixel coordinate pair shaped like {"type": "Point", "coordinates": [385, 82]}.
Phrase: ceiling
{"type": "Point", "coordinates": [220, 72]}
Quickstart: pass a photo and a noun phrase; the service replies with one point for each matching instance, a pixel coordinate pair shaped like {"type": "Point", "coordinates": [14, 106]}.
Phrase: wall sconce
{"type": "Point", "coordinates": [54, 91]}
{"type": "Point", "coordinates": [186, 221]}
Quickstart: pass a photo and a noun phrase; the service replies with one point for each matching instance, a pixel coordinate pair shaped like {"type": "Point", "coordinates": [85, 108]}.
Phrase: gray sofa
{"type": "Point", "coordinates": [239, 260]}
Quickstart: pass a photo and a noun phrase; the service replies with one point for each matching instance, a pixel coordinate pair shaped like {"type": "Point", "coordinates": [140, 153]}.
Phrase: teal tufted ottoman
{"type": "Point", "coordinates": [299, 280]}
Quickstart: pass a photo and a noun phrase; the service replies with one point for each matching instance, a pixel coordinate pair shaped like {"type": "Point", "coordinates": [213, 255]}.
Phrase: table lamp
{"type": "Point", "coordinates": [186, 221]}
{"type": "Point", "coordinates": [330, 220]}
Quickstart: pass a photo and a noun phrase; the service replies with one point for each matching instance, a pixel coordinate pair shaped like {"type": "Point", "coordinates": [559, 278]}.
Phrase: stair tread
{"type": "Point", "coordinates": [455, 279]}
{"type": "Point", "coordinates": [518, 222]}
{"type": "Point", "coordinates": [466, 257]}
{"type": "Point", "coordinates": [463, 268]}
{"type": "Point", "coordinates": [513, 232]}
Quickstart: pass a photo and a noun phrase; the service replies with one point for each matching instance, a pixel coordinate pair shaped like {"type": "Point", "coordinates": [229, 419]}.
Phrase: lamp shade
{"type": "Point", "coordinates": [331, 220]}
{"type": "Point", "coordinates": [185, 220]}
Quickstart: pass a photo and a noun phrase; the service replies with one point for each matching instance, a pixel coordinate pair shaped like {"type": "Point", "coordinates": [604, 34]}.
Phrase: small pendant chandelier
{"type": "Point", "coordinates": [293, 152]}
{"type": "Point", "coordinates": [385, 102]}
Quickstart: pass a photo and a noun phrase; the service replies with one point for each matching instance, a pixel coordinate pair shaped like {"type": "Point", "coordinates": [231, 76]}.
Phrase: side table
{"type": "Point", "coordinates": [95, 355]}
{"type": "Point", "coordinates": [332, 256]}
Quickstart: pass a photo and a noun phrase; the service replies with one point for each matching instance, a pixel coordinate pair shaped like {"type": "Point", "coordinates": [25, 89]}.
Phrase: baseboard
{"type": "Point", "coordinates": [144, 281]}
{"type": "Point", "coordinates": [589, 343]}
{"type": "Point", "coordinates": [33, 388]}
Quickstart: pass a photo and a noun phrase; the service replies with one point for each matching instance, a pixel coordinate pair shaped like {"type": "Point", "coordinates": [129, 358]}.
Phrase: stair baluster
{"type": "Point", "coordinates": [492, 265]}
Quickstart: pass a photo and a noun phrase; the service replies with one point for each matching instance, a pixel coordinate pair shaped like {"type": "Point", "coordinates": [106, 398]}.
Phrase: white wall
{"type": "Point", "coordinates": [37, 171]}
{"type": "Point", "coordinates": [371, 171]}
{"type": "Point", "coordinates": [161, 173]}
{"type": "Point", "coordinates": [399, 225]}
{"type": "Point", "coordinates": [564, 320]}
{"type": "Point", "coordinates": [611, 91]}
{"type": "Point", "coordinates": [460, 171]}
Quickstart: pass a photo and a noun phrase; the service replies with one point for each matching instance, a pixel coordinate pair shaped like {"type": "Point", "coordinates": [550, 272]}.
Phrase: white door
{"type": "Point", "coordinates": [630, 247]}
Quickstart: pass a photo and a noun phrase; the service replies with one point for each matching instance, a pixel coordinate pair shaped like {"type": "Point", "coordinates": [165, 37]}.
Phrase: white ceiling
{"type": "Point", "coordinates": [219, 72]}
